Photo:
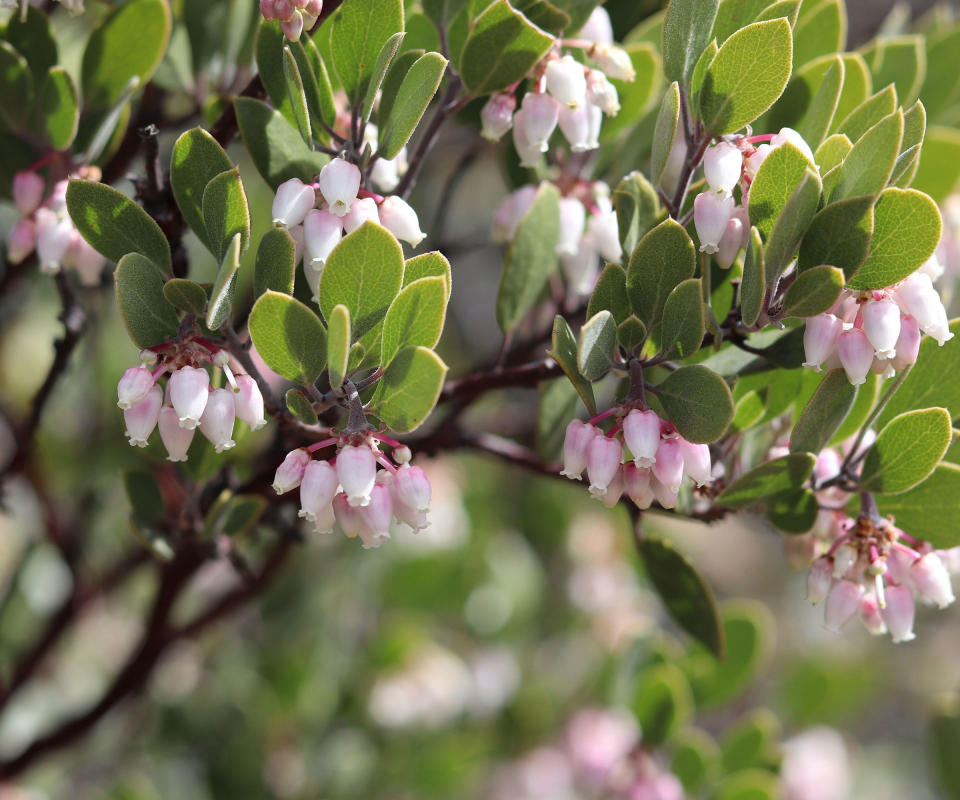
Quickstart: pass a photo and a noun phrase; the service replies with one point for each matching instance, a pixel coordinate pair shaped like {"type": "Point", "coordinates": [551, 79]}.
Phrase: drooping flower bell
{"type": "Point", "coordinates": [856, 355]}
{"type": "Point", "coordinates": [602, 93]}
{"type": "Point", "coordinates": [614, 61]}
{"type": "Point", "coordinates": [292, 202]}
{"type": "Point", "coordinates": [881, 324]}
{"type": "Point", "coordinates": [248, 403]}
{"type": "Point", "coordinates": [322, 232]}
{"type": "Point", "coordinates": [820, 339]}
{"type": "Point", "coordinates": [497, 116]}
{"type": "Point", "coordinates": [572, 221]}
{"type": "Point", "coordinates": [711, 213]}
{"type": "Point", "coordinates": [133, 386]}
{"type": "Point", "coordinates": [175, 439]}
{"type": "Point", "coordinates": [141, 418]}
{"type": "Point", "coordinates": [217, 420]}
{"type": "Point", "coordinates": [339, 183]}
{"type": "Point", "coordinates": [604, 455]}
{"type": "Point", "coordinates": [575, 445]}
{"type": "Point", "coordinates": [641, 432]}
{"type": "Point", "coordinates": [540, 116]}
{"type": "Point", "coordinates": [357, 471]}
{"type": "Point", "coordinates": [722, 165]}
{"type": "Point", "coordinates": [318, 487]}
{"type": "Point", "coordinates": [398, 217]}
{"type": "Point", "coordinates": [566, 82]}
{"type": "Point", "coordinates": [27, 190]}
{"type": "Point", "coordinates": [290, 472]}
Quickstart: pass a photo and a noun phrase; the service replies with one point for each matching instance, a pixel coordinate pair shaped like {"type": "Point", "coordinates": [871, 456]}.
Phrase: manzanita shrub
{"type": "Point", "coordinates": [722, 287]}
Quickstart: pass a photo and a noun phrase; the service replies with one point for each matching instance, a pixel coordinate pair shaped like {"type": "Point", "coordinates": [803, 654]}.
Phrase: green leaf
{"type": "Point", "coordinates": [114, 225]}
{"type": "Point", "coordinates": [500, 49]}
{"type": "Point", "coordinates": [186, 295]}
{"type": "Point", "coordinates": [274, 267]}
{"type": "Point", "coordinates": [820, 30]}
{"type": "Point", "coordinates": [338, 344]}
{"type": "Point", "coordinates": [683, 320]}
{"type": "Point", "coordinates": [631, 333]}
{"type": "Point", "coordinates": [387, 54]}
{"type": "Point", "coordinates": [300, 406]}
{"type": "Point", "coordinates": [832, 151]}
{"type": "Point", "coordinates": [662, 702]}
{"type": "Point", "coordinates": [310, 87]}
{"type": "Point", "coordinates": [934, 379]}
{"type": "Point", "coordinates": [428, 265]}
{"type": "Point", "coordinates": [923, 511]}
{"type": "Point", "coordinates": [748, 784]}
{"type": "Point", "coordinates": [700, 72]}
{"type": "Point", "coordinates": [775, 183]}
{"type": "Point", "coordinates": [297, 96]}
{"type": "Point", "coordinates": [782, 8]}
{"type": "Point", "coordinates": [687, 30]}
{"type": "Point", "coordinates": [900, 60]}
{"type": "Point", "coordinates": [939, 169]}
{"type": "Point", "coordinates": [233, 515]}
{"type": "Point", "coordinates": [196, 160]}
{"type": "Point", "coordinates": [857, 86]}
{"type": "Point", "coordinates": [663, 258]}
{"type": "Point", "coordinates": [698, 403]}
{"type": "Point", "coordinates": [414, 95]}
{"type": "Point", "coordinates": [326, 108]}
{"type": "Point", "coordinates": [221, 298]}
{"type": "Point", "coordinates": [794, 513]}
{"type": "Point", "coordinates": [597, 345]}
{"type": "Point", "coordinates": [862, 409]}
{"type": "Point", "coordinates": [839, 235]}
{"type": "Point", "coordinates": [289, 337]}
{"type": "Point", "coordinates": [867, 167]}
{"type": "Point", "coordinates": [277, 150]}
{"type": "Point", "coordinates": [824, 91]}
{"type": "Point", "coordinates": [791, 224]}
{"type": "Point", "coordinates": [914, 128]}
{"type": "Point", "coordinates": [16, 87]}
{"type": "Point", "coordinates": [869, 113]}
{"type": "Point", "coordinates": [906, 231]}
{"type": "Point", "coordinates": [556, 407]}
{"type": "Point", "coordinates": [409, 388]}
{"type": "Point", "coordinates": [638, 208]}
{"type": "Point", "coordinates": [358, 32]}
{"type": "Point", "coordinates": [686, 595]}
{"type": "Point", "coordinates": [530, 258]}
{"type": "Point", "coordinates": [391, 83]}
{"type": "Point", "coordinates": [33, 39]}
{"type": "Point", "coordinates": [813, 292]}
{"type": "Point", "coordinates": [59, 105]}
{"type": "Point", "coordinates": [696, 759]}
{"type": "Point", "coordinates": [610, 294]}
{"type": "Point", "coordinates": [665, 131]}
{"type": "Point", "coordinates": [747, 76]}
{"type": "Point", "coordinates": [824, 413]}
{"type": "Point", "coordinates": [771, 479]}
{"type": "Point", "coordinates": [146, 501]}
{"type": "Point", "coordinates": [415, 317]}
{"type": "Point", "coordinates": [753, 287]}
{"type": "Point", "coordinates": [146, 312]}
{"type": "Point", "coordinates": [129, 43]}
{"type": "Point", "coordinates": [736, 14]}
{"type": "Point", "coordinates": [225, 212]}
{"type": "Point", "coordinates": [752, 742]}
{"type": "Point", "coordinates": [748, 410]}
{"type": "Point", "coordinates": [941, 83]}
{"type": "Point", "coordinates": [906, 451]}
{"type": "Point", "coordinates": [564, 352]}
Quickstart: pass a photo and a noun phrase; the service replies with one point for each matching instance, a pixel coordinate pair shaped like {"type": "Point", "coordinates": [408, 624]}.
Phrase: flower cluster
{"type": "Point", "coordinates": [294, 16]}
{"type": "Point", "coordinates": [317, 227]}
{"type": "Point", "coordinates": [657, 461]}
{"type": "Point", "coordinates": [189, 401]}
{"type": "Point", "coordinates": [45, 226]}
{"type": "Point", "coordinates": [567, 94]}
{"type": "Point", "coordinates": [877, 331]}
{"type": "Point", "coordinates": [588, 229]}
{"type": "Point", "coordinates": [351, 491]}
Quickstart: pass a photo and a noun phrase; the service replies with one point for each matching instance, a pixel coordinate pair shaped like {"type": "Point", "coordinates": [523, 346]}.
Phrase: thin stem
{"type": "Point", "coordinates": [853, 457]}
{"type": "Point", "coordinates": [239, 351]}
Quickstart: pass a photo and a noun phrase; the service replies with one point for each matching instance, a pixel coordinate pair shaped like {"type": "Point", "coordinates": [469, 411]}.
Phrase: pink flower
{"type": "Point", "coordinates": [842, 603]}
{"type": "Point", "coordinates": [290, 472]}
{"type": "Point", "coordinates": [357, 471]}
{"type": "Point", "coordinates": [899, 613]}
{"type": "Point", "coordinates": [189, 389]}
{"type": "Point", "coordinates": [722, 165]}
{"type": "Point", "coordinates": [217, 420]}
{"type": "Point", "coordinates": [175, 439]}
{"type": "Point", "coordinates": [141, 418]}
{"type": "Point", "coordinates": [497, 116]}
{"type": "Point", "coordinates": [318, 487]}
{"type": "Point", "coordinates": [248, 403]}
{"type": "Point", "coordinates": [339, 183]}
{"type": "Point", "coordinates": [604, 455]}
{"type": "Point", "coordinates": [292, 202]}
{"type": "Point", "coordinates": [133, 386]}
{"type": "Point", "coordinates": [575, 445]}
{"type": "Point", "coordinates": [711, 213]}
{"type": "Point", "coordinates": [28, 188]}
{"type": "Point", "coordinates": [641, 432]}
{"type": "Point", "coordinates": [669, 464]}
{"type": "Point", "coordinates": [856, 355]}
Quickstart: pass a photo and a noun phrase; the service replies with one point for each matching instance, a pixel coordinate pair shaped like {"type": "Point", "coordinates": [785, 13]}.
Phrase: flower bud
{"type": "Point", "coordinates": [696, 462]}
{"type": "Point", "coordinates": [507, 217]}
{"type": "Point", "coordinates": [293, 27]}
{"type": "Point", "coordinates": [664, 495]}
{"type": "Point", "coordinates": [722, 165]}
{"type": "Point", "coordinates": [28, 188]}
{"type": "Point", "coordinates": [377, 514]}
{"type": "Point", "coordinates": [614, 61]}
{"type": "Point", "coordinates": [572, 221]}
{"type": "Point", "coordinates": [339, 183]}
{"type": "Point", "coordinates": [357, 471]}
{"type": "Point", "coordinates": [402, 455]}
{"type": "Point", "coordinates": [22, 240]}
{"type": "Point", "coordinates": [790, 135]}
{"type": "Point", "coordinates": [856, 355]}
{"type": "Point", "coordinates": [318, 487]}
{"type": "Point", "coordinates": [598, 27]}
{"type": "Point", "coordinates": [931, 579]}
{"type": "Point", "coordinates": [268, 9]}
{"type": "Point", "coordinates": [398, 217]}
{"type": "Point", "coordinates": [218, 418]}
{"type": "Point", "coordinates": [711, 213]}
{"type": "Point", "coordinates": [497, 116]}
{"type": "Point", "coordinates": [881, 324]}
{"type": "Point", "coordinates": [54, 234]}
{"type": "Point", "coordinates": [820, 339]}
{"type": "Point", "coordinates": [363, 209]}
{"type": "Point", "coordinates": [604, 232]}
{"type": "Point", "coordinates": [177, 440]}
{"type": "Point", "coordinates": [602, 93]}
{"type": "Point", "coordinates": [141, 418]}
{"type": "Point", "coordinates": [641, 432]}
{"type": "Point", "coordinates": [290, 472]}
{"type": "Point", "coordinates": [604, 455]}
{"type": "Point", "coordinates": [248, 403]}
{"type": "Point", "coordinates": [322, 232]}
{"type": "Point", "coordinates": [576, 442]}
{"type": "Point", "coordinates": [899, 613]}
{"type": "Point", "coordinates": [528, 151]}
{"type": "Point", "coordinates": [189, 389]}
{"type": "Point", "coordinates": [908, 343]}
{"type": "Point", "coordinates": [636, 485]}
{"type": "Point", "coordinates": [819, 579]}
{"type": "Point", "coordinates": [540, 116]}
{"type": "Point", "coordinates": [133, 386]}
{"type": "Point", "coordinates": [566, 82]}
{"type": "Point", "coordinates": [730, 243]}
{"type": "Point", "coordinates": [292, 202]}
{"type": "Point", "coordinates": [842, 603]}
{"type": "Point", "coordinates": [668, 467]}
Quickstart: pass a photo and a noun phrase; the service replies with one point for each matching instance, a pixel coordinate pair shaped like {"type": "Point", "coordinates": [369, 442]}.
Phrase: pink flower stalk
{"type": "Point", "coordinates": [575, 445]}
{"type": "Point", "coordinates": [357, 472]}
{"type": "Point", "coordinates": [133, 386]}
{"type": "Point", "coordinates": [28, 188]}
{"type": "Point", "coordinates": [899, 613]}
{"type": "Point", "coordinates": [175, 439]}
{"type": "Point", "coordinates": [856, 355]}
{"type": "Point", "coordinates": [339, 183]}
{"type": "Point", "coordinates": [881, 324]}
{"type": "Point", "coordinates": [248, 403]}
{"type": "Point", "coordinates": [317, 489]}
{"type": "Point", "coordinates": [217, 420]}
{"type": "Point", "coordinates": [322, 232]}
{"type": "Point", "coordinates": [540, 116]}
{"type": "Point", "coordinates": [567, 82]}
{"type": "Point", "coordinates": [363, 209]}
{"type": "Point", "coordinates": [722, 165]}
{"type": "Point", "coordinates": [604, 455]}
{"type": "Point", "coordinates": [497, 116]}
{"type": "Point", "coordinates": [141, 418]}
{"type": "Point", "coordinates": [641, 432]}
{"type": "Point", "coordinates": [398, 217]}
{"type": "Point", "coordinates": [292, 202]}
{"type": "Point", "coordinates": [189, 389]}
{"type": "Point", "coordinates": [842, 603]}
{"type": "Point", "coordinates": [711, 213]}
{"type": "Point", "coordinates": [290, 472]}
